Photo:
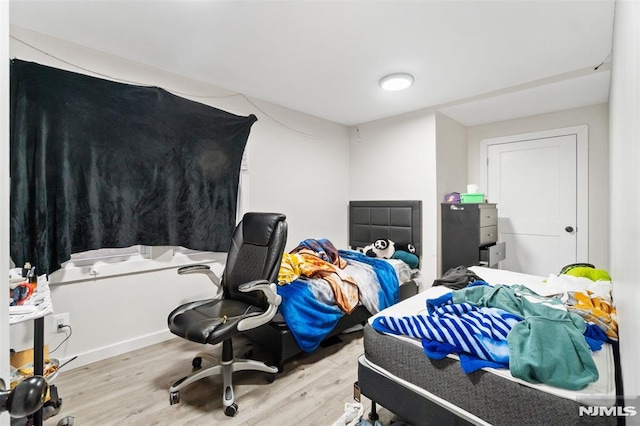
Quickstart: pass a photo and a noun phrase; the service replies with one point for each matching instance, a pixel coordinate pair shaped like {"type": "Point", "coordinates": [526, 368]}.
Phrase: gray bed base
{"type": "Point", "coordinates": [486, 396]}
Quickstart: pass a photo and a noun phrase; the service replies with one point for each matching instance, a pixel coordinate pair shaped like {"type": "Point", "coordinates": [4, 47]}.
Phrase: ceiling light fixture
{"type": "Point", "coordinates": [396, 81]}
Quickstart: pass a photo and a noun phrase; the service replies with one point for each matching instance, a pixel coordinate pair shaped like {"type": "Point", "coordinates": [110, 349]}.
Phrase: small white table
{"type": "Point", "coordinates": [41, 299]}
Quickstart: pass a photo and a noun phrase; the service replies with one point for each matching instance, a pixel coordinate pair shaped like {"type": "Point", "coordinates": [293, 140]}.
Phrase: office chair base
{"type": "Point", "coordinates": [196, 363]}
{"type": "Point", "coordinates": [226, 370]}
{"type": "Point", "coordinates": [231, 410]}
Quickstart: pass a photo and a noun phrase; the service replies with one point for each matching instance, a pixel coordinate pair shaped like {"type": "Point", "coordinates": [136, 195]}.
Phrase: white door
{"type": "Point", "coordinates": [534, 182]}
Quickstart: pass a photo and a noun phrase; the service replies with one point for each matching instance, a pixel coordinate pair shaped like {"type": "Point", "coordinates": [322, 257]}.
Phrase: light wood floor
{"type": "Point", "coordinates": [132, 389]}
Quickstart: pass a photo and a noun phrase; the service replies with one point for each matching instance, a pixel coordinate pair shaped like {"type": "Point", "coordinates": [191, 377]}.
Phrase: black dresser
{"type": "Point", "coordinates": [470, 235]}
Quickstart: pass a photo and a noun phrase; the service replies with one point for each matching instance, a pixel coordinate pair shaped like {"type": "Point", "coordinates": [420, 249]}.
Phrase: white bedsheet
{"type": "Point", "coordinates": [601, 392]}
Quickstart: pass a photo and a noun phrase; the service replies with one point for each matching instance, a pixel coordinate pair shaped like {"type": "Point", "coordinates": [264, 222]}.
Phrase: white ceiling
{"type": "Point", "coordinates": [478, 61]}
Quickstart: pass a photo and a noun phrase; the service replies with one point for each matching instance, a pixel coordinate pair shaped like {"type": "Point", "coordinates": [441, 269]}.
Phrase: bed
{"type": "Point", "coordinates": [395, 220]}
{"type": "Point", "coordinates": [395, 373]}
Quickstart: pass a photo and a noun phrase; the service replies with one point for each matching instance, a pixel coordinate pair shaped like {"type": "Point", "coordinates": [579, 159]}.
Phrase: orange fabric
{"type": "Point", "coordinates": [344, 286]}
{"type": "Point", "coordinates": [596, 310]}
{"type": "Point", "coordinates": [319, 258]}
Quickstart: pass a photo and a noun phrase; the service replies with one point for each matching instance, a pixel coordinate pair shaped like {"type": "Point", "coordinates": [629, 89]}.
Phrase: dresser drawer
{"type": "Point", "coordinates": [488, 217]}
{"type": "Point", "coordinates": [493, 254]}
{"type": "Point", "coordinates": [488, 235]}
{"type": "Point", "coordinates": [466, 229]}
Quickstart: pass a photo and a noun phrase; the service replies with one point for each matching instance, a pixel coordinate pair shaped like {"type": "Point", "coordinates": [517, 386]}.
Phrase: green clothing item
{"type": "Point", "coordinates": [548, 346]}
{"type": "Point", "coordinates": [591, 273]}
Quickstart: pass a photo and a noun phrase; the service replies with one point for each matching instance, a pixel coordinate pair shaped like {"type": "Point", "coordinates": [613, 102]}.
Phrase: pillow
{"type": "Point", "coordinates": [591, 273]}
{"type": "Point", "coordinates": [408, 258]}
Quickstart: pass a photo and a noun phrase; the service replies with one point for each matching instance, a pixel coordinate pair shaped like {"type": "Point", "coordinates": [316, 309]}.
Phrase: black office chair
{"type": "Point", "coordinates": [252, 264]}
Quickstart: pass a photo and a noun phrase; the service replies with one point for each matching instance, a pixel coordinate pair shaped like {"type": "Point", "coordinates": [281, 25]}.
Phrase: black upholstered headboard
{"type": "Point", "coordinates": [398, 221]}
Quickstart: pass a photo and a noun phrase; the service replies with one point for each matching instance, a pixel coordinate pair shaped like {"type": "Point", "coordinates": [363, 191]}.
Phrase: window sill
{"type": "Point", "coordinates": [161, 258]}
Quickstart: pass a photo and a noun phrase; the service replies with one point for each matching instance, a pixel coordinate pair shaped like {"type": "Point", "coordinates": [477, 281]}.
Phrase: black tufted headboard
{"type": "Point", "coordinates": [398, 221]}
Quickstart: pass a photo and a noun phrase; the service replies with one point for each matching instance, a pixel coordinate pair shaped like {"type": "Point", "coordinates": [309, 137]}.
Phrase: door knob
{"type": "Point", "coordinates": [569, 229]}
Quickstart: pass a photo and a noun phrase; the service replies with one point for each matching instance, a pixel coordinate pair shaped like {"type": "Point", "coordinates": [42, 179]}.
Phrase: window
{"type": "Point", "coordinates": [110, 255]}
{"type": "Point", "coordinates": [119, 261]}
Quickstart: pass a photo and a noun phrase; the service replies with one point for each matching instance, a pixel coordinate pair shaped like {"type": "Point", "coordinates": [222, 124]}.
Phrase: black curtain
{"type": "Point", "coordinates": [98, 164]}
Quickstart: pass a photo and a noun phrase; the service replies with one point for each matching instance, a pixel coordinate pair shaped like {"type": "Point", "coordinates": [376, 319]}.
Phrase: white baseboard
{"type": "Point", "coordinates": [120, 348]}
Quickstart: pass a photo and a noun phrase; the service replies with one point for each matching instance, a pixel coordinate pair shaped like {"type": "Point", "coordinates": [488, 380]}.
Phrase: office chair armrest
{"type": "Point", "coordinates": [202, 269]}
{"type": "Point", "coordinates": [273, 298]}
{"type": "Point", "coordinates": [269, 290]}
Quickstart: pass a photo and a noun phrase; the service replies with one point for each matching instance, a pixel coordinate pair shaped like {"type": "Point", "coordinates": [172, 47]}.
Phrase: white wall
{"type": "Point", "coordinates": [451, 151]}
{"type": "Point", "coordinates": [451, 164]}
{"type": "Point", "coordinates": [290, 161]}
{"type": "Point", "coordinates": [625, 189]}
{"type": "Point", "coordinates": [395, 159]}
{"type": "Point", "coordinates": [304, 177]}
{"type": "Point", "coordinates": [596, 117]}
{"type": "Point", "coordinates": [4, 193]}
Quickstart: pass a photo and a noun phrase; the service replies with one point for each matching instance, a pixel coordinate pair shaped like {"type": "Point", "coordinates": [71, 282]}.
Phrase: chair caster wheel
{"type": "Point", "coordinates": [174, 397]}
{"type": "Point", "coordinates": [231, 410]}
{"type": "Point", "coordinates": [271, 377]}
{"type": "Point", "coordinates": [196, 363]}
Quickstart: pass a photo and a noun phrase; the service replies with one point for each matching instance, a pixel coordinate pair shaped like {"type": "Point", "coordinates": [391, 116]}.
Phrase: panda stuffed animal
{"type": "Point", "coordinates": [385, 248]}
{"type": "Point", "coordinates": [408, 247]}
{"type": "Point", "coordinates": [380, 248]}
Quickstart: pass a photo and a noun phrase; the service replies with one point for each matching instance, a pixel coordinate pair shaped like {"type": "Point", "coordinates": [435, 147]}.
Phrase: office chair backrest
{"type": "Point", "coordinates": [256, 253]}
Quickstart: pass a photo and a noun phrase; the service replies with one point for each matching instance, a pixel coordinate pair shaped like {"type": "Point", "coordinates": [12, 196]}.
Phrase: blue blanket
{"type": "Point", "coordinates": [308, 319]}
{"type": "Point", "coordinates": [311, 320]}
{"type": "Point", "coordinates": [477, 334]}
{"type": "Point", "coordinates": [386, 276]}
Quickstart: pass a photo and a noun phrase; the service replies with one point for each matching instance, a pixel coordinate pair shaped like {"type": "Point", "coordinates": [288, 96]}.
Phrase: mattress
{"type": "Point", "coordinates": [488, 395]}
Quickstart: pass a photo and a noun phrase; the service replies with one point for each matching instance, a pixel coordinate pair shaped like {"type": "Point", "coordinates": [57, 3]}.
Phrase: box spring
{"type": "Point", "coordinates": [476, 397]}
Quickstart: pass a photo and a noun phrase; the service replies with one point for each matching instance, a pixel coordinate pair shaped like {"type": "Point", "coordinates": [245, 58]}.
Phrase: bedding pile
{"type": "Point", "coordinates": [541, 338]}
{"type": "Point", "coordinates": [319, 284]}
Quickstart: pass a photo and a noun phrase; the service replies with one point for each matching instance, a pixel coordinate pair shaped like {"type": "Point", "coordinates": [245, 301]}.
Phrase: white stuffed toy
{"type": "Point", "coordinates": [385, 249]}
{"type": "Point", "coordinates": [380, 248]}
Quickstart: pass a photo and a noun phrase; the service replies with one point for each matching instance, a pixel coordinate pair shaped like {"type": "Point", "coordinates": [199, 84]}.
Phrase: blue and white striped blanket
{"type": "Point", "coordinates": [477, 334]}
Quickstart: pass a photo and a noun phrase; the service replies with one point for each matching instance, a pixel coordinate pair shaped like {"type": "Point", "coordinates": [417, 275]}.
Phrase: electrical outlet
{"type": "Point", "coordinates": [60, 320]}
